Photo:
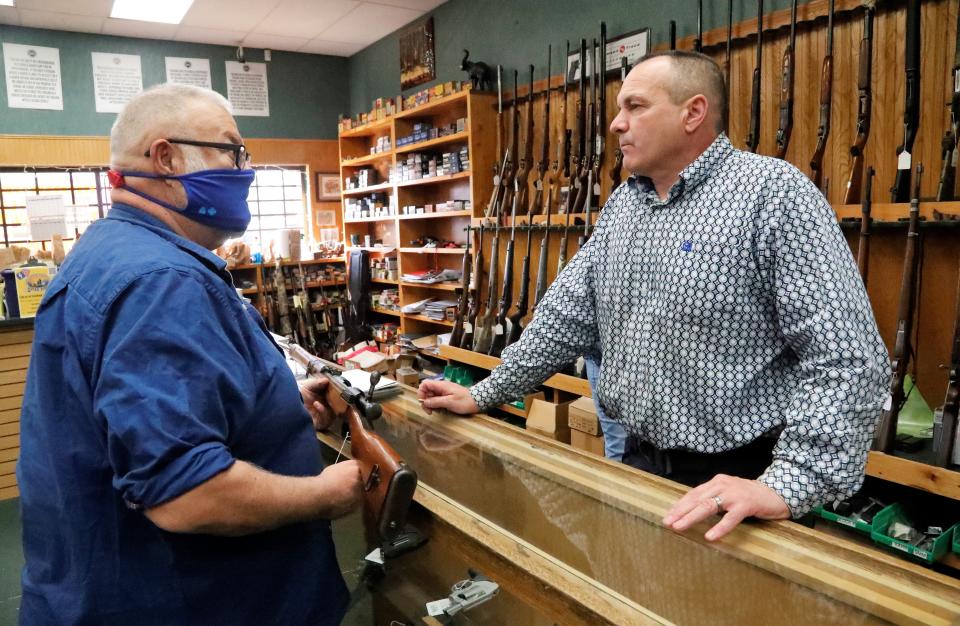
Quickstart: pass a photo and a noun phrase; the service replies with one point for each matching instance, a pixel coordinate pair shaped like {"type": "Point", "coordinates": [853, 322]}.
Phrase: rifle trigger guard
{"type": "Point", "coordinates": [373, 479]}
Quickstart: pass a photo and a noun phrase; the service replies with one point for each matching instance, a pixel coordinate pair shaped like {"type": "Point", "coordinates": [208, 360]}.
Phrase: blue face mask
{"type": "Point", "coordinates": [215, 198]}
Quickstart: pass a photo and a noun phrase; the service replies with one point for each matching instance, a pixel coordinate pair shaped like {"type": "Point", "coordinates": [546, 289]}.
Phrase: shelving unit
{"type": "Point", "coordinates": [396, 231]}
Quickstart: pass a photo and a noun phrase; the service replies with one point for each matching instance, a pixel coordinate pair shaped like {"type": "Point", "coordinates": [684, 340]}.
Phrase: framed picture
{"type": "Point", "coordinates": [418, 62]}
{"type": "Point", "coordinates": [328, 187]}
{"type": "Point", "coordinates": [632, 46]}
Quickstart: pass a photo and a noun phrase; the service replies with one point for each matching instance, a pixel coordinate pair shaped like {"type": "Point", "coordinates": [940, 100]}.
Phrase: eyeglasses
{"type": "Point", "coordinates": [240, 155]}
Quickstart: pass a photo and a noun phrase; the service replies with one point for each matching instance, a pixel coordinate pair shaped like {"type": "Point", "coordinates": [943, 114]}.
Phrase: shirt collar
{"type": "Point", "coordinates": [693, 174]}
{"type": "Point", "coordinates": [127, 213]}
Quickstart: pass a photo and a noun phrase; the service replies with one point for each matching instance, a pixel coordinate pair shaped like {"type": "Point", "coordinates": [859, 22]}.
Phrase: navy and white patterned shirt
{"type": "Point", "coordinates": [729, 310]}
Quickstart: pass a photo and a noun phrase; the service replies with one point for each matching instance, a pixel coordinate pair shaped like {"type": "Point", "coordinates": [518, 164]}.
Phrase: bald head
{"type": "Point", "coordinates": [689, 74]}
{"type": "Point", "coordinates": [161, 111]}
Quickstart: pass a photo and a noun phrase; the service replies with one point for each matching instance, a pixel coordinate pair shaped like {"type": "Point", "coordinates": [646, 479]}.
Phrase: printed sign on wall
{"type": "Point", "coordinates": [184, 71]}
{"type": "Point", "coordinates": [247, 89]}
{"type": "Point", "coordinates": [116, 79]}
{"type": "Point", "coordinates": [33, 77]}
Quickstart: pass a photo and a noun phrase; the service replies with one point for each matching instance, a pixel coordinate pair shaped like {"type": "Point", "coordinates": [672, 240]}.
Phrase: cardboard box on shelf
{"type": "Point", "coordinates": [588, 443]}
{"type": "Point", "coordinates": [549, 419]}
{"type": "Point", "coordinates": [583, 416]}
{"type": "Point", "coordinates": [369, 361]}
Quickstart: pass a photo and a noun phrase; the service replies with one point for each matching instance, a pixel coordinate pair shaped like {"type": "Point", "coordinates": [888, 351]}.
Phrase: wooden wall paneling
{"type": "Point", "coordinates": [14, 402]}
{"type": "Point", "coordinates": [9, 454]}
{"type": "Point", "coordinates": [7, 493]}
{"type": "Point", "coordinates": [9, 415]}
{"type": "Point", "coordinates": [13, 428]}
{"type": "Point", "coordinates": [14, 363]}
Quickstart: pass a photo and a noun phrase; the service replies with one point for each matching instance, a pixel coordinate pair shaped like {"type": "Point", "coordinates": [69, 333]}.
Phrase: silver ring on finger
{"type": "Point", "coordinates": [719, 502]}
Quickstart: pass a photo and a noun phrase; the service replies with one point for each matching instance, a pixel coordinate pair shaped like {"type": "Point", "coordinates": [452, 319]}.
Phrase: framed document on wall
{"type": "Point", "coordinates": [417, 60]}
{"type": "Point", "coordinates": [328, 187]}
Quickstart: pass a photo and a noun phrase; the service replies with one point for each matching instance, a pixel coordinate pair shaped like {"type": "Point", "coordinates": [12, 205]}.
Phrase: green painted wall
{"type": "Point", "coordinates": [306, 91]}
{"type": "Point", "coordinates": [515, 33]}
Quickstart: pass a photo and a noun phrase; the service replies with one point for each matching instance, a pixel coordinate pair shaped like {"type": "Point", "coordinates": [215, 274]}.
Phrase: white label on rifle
{"type": "Point", "coordinates": [498, 329]}
{"type": "Point", "coordinates": [496, 180]}
{"type": "Point", "coordinates": [596, 189]}
{"type": "Point", "coordinates": [903, 161]}
{"type": "Point", "coordinates": [437, 607]}
{"type": "Point", "coordinates": [538, 185]}
{"type": "Point", "coordinates": [956, 81]}
{"type": "Point", "coordinates": [467, 327]}
{"type": "Point", "coordinates": [375, 557]}
{"type": "Point", "coordinates": [888, 403]}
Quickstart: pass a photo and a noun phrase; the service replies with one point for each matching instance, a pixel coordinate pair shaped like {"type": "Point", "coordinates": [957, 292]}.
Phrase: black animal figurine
{"type": "Point", "coordinates": [479, 73]}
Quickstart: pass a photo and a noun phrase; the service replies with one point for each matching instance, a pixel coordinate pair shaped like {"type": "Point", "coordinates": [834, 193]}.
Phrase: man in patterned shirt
{"type": "Point", "coordinates": [738, 343]}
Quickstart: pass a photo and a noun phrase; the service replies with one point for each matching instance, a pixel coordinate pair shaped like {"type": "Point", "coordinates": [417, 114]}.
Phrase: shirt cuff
{"type": "Point", "coordinates": [195, 467]}
{"type": "Point", "coordinates": [483, 395]}
{"type": "Point", "coordinates": [800, 489]}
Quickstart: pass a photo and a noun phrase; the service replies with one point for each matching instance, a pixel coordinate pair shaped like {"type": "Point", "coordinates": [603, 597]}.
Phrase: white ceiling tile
{"type": "Point", "coordinates": [304, 18]}
{"type": "Point", "coordinates": [237, 15]}
{"type": "Point", "coordinates": [273, 42]}
{"type": "Point", "coordinates": [60, 21]}
{"type": "Point", "coordinates": [210, 35]}
{"type": "Point", "coordinates": [9, 15]}
{"type": "Point", "coordinates": [335, 48]}
{"type": "Point", "coordinates": [368, 23]}
{"type": "Point", "coordinates": [417, 5]}
{"type": "Point", "coordinates": [99, 8]}
{"type": "Point", "coordinates": [136, 28]}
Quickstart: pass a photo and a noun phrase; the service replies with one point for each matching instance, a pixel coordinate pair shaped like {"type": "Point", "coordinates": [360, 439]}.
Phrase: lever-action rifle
{"type": "Point", "coordinates": [388, 483]}
{"type": "Point", "coordinates": [864, 105]}
{"type": "Point", "coordinates": [945, 418]}
{"type": "Point", "coordinates": [498, 173]}
{"type": "Point", "coordinates": [543, 162]}
{"type": "Point", "coordinates": [500, 331]}
{"type": "Point", "coordinates": [753, 135]}
{"type": "Point", "coordinates": [456, 337]}
{"type": "Point", "coordinates": [911, 104]}
{"type": "Point", "coordinates": [483, 330]}
{"type": "Point", "coordinates": [600, 107]}
{"type": "Point", "coordinates": [581, 164]}
{"type": "Point", "coordinates": [902, 350]}
{"type": "Point", "coordinates": [471, 321]}
{"type": "Point", "coordinates": [526, 161]}
{"type": "Point", "coordinates": [946, 190]}
{"type": "Point", "coordinates": [826, 96]}
{"type": "Point", "coordinates": [786, 87]}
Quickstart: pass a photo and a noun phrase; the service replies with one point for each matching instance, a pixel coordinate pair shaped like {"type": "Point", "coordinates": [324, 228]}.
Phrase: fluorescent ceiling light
{"type": "Point", "coordinates": [6, 3]}
{"type": "Point", "coordinates": [166, 12]}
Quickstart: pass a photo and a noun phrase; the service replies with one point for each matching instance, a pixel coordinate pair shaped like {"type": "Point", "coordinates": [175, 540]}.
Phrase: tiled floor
{"type": "Point", "coordinates": [348, 535]}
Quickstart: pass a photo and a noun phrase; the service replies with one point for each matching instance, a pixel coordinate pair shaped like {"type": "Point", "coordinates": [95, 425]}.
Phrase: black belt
{"type": "Point", "coordinates": [690, 466]}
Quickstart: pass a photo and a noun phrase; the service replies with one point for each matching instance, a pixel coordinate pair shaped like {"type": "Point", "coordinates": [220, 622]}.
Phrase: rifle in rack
{"type": "Point", "coordinates": [753, 135]}
{"type": "Point", "coordinates": [562, 254]}
{"type": "Point", "coordinates": [474, 308]}
{"type": "Point", "coordinates": [902, 349]}
{"type": "Point", "coordinates": [826, 98]}
{"type": "Point", "coordinates": [786, 87]}
{"type": "Point", "coordinates": [456, 336]}
{"type": "Point", "coordinates": [945, 417]}
{"type": "Point", "coordinates": [388, 483]}
{"type": "Point", "coordinates": [526, 161]}
{"type": "Point", "coordinates": [483, 329]}
{"type": "Point", "coordinates": [863, 248]}
{"type": "Point", "coordinates": [698, 42]}
{"type": "Point", "coordinates": [544, 253]}
{"type": "Point", "coordinates": [283, 303]}
{"type": "Point", "coordinates": [269, 302]}
{"type": "Point", "coordinates": [729, 45]}
{"type": "Point", "coordinates": [498, 172]}
{"type": "Point", "coordinates": [308, 319]}
{"type": "Point", "coordinates": [500, 331]}
{"type": "Point", "coordinates": [543, 162]}
{"type": "Point", "coordinates": [514, 329]}
{"type": "Point", "coordinates": [600, 108]}
{"type": "Point", "coordinates": [616, 172]}
{"type": "Point", "coordinates": [584, 184]}
{"type": "Point", "coordinates": [946, 190]}
{"type": "Point", "coordinates": [506, 198]}
{"type": "Point", "coordinates": [580, 163]}
{"type": "Point", "coordinates": [864, 105]}
{"type": "Point", "coordinates": [673, 35]}
{"type": "Point", "coordinates": [900, 192]}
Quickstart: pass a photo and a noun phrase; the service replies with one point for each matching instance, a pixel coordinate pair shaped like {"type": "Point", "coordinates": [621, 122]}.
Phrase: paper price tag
{"type": "Point", "coordinates": [596, 189]}
{"type": "Point", "coordinates": [375, 557]}
{"type": "Point", "coordinates": [888, 403]}
{"type": "Point", "coordinates": [903, 161]}
{"type": "Point", "coordinates": [498, 329]}
{"type": "Point", "coordinates": [437, 607]}
{"type": "Point", "coordinates": [467, 327]}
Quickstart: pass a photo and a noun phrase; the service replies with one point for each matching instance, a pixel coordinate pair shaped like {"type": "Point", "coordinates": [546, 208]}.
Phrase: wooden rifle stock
{"type": "Point", "coordinates": [523, 298]}
{"type": "Point", "coordinates": [753, 136]}
{"type": "Point", "coordinates": [526, 161]}
{"type": "Point", "coordinates": [863, 248]}
{"type": "Point", "coordinates": [616, 171]}
{"type": "Point", "coordinates": [471, 322]}
{"type": "Point", "coordinates": [578, 161]}
{"type": "Point", "coordinates": [483, 329]}
{"type": "Point", "coordinates": [498, 338]}
{"type": "Point", "coordinates": [498, 172]}
{"type": "Point", "coordinates": [945, 417]}
{"type": "Point", "coordinates": [456, 336]}
{"type": "Point", "coordinates": [543, 162]}
{"type": "Point", "coordinates": [900, 192]}
{"type": "Point", "coordinates": [786, 87]}
{"type": "Point", "coordinates": [887, 428]}
{"type": "Point", "coordinates": [826, 97]}
{"type": "Point", "coordinates": [542, 260]}
{"type": "Point", "coordinates": [388, 483]}
{"type": "Point", "coordinates": [864, 107]}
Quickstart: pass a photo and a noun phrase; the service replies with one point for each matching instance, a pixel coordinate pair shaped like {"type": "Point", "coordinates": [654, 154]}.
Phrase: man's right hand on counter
{"type": "Point", "coordinates": [443, 394]}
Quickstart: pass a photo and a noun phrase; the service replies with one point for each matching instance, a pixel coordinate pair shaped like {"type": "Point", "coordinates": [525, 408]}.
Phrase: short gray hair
{"type": "Point", "coordinates": [695, 73]}
{"type": "Point", "coordinates": [153, 110]}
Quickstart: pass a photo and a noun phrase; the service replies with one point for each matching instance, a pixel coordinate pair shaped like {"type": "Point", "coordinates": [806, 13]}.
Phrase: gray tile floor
{"type": "Point", "coordinates": [348, 534]}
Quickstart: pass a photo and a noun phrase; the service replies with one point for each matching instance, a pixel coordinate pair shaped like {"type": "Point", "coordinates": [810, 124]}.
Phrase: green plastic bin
{"type": "Point", "coordinates": [850, 522]}
{"type": "Point", "coordinates": [894, 513]}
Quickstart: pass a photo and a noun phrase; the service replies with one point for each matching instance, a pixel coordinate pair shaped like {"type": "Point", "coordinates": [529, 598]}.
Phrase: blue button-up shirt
{"type": "Point", "coordinates": [729, 310]}
{"type": "Point", "coordinates": [148, 376]}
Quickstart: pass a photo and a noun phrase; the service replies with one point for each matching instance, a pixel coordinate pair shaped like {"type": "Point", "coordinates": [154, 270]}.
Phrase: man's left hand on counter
{"type": "Point", "coordinates": [734, 498]}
